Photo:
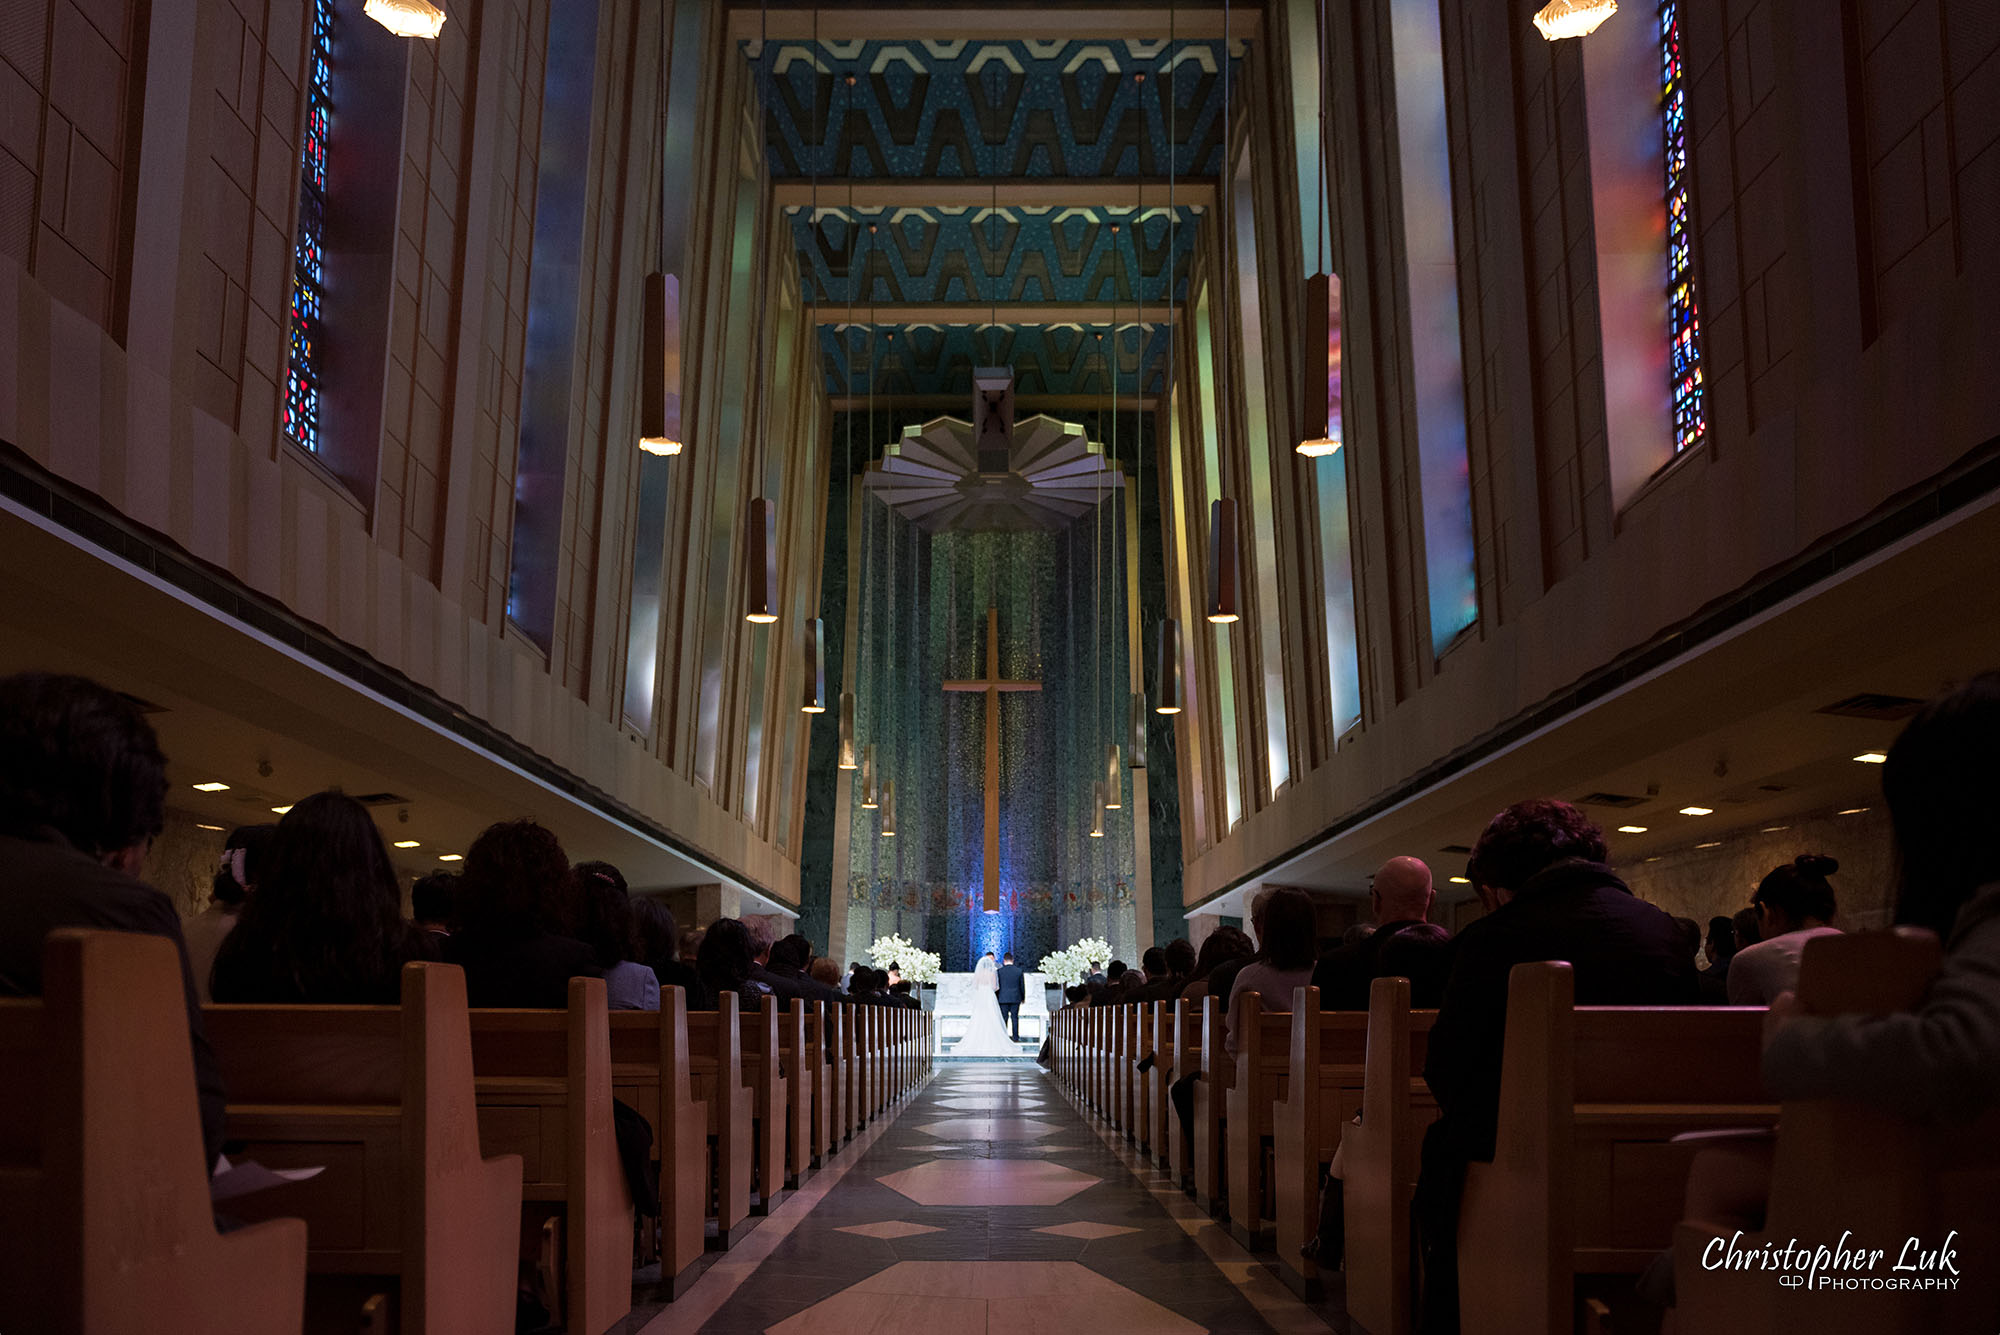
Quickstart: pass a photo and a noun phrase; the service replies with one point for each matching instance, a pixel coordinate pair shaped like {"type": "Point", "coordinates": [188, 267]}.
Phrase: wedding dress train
{"type": "Point", "coordinates": [985, 1033]}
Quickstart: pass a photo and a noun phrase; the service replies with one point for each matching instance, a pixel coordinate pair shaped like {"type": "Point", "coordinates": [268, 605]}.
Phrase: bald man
{"type": "Point", "coordinates": [1405, 944]}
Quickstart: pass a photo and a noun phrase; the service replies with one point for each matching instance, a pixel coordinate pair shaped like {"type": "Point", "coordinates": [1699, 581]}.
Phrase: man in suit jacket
{"type": "Point", "coordinates": [1013, 991]}
{"type": "Point", "coordinates": [83, 790]}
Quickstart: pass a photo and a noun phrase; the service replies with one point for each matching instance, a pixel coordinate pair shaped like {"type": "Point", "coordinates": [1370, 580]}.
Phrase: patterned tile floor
{"type": "Point", "coordinates": [988, 1203]}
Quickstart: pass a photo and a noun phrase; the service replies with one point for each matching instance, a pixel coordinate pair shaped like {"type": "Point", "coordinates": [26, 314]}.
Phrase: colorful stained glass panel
{"type": "Point", "coordinates": [301, 421]}
{"type": "Point", "coordinates": [1683, 316]}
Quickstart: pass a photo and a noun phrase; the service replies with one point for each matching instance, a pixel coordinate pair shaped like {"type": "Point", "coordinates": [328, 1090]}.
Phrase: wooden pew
{"type": "Point", "coordinates": [833, 1036]}
{"type": "Point", "coordinates": [382, 1097]}
{"type": "Point", "coordinates": [1379, 1160]}
{"type": "Point", "coordinates": [1841, 1165]}
{"type": "Point", "coordinates": [804, 1070]}
{"type": "Point", "coordinates": [105, 1222]}
{"type": "Point", "coordinates": [1142, 1085]}
{"type": "Point", "coordinates": [1185, 1054]}
{"type": "Point", "coordinates": [543, 1080]}
{"type": "Point", "coordinates": [652, 1071]}
{"type": "Point", "coordinates": [1160, 1111]}
{"type": "Point", "coordinates": [1211, 1095]}
{"type": "Point", "coordinates": [770, 1099]}
{"type": "Point", "coordinates": [715, 1076]}
{"type": "Point", "coordinates": [1584, 1177]}
{"type": "Point", "coordinates": [1262, 1074]}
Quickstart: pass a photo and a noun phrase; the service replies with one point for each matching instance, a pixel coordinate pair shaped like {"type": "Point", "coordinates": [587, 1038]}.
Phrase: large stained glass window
{"type": "Point", "coordinates": [302, 371]}
{"type": "Point", "coordinates": [1683, 317]}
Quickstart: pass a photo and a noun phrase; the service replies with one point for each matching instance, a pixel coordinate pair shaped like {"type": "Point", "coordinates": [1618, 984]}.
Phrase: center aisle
{"type": "Point", "coordinates": [988, 1203]}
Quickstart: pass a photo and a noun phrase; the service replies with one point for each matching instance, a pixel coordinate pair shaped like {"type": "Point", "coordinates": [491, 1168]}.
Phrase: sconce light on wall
{"type": "Point", "coordinates": [815, 662]}
{"type": "Point", "coordinates": [1169, 682]}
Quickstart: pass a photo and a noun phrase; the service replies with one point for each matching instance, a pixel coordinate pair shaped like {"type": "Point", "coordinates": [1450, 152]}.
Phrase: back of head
{"type": "Point", "coordinates": [80, 759]}
{"type": "Point", "coordinates": [1747, 933]}
{"type": "Point", "coordinates": [328, 908]}
{"type": "Point", "coordinates": [1721, 936]}
{"type": "Point", "coordinates": [1356, 933]}
{"type": "Point", "coordinates": [726, 955]}
{"type": "Point", "coordinates": [1007, 958]}
{"type": "Point", "coordinates": [1690, 934]}
{"type": "Point", "coordinates": [1115, 971]}
{"type": "Point", "coordinates": [1403, 890]}
{"type": "Point", "coordinates": [1943, 791]}
{"type": "Point", "coordinates": [1798, 892]}
{"type": "Point", "coordinates": [1221, 946]}
{"type": "Point", "coordinates": [1180, 957]}
{"type": "Point", "coordinates": [516, 883]}
{"type": "Point", "coordinates": [657, 934]}
{"type": "Point", "coordinates": [1530, 837]}
{"type": "Point", "coordinates": [242, 863]}
{"type": "Point", "coordinates": [433, 897]}
{"type": "Point", "coordinates": [825, 970]}
{"type": "Point", "coordinates": [792, 952]}
{"type": "Point", "coordinates": [604, 913]}
{"type": "Point", "coordinates": [1154, 962]}
{"type": "Point", "coordinates": [1260, 904]}
{"type": "Point", "coordinates": [1291, 929]}
{"type": "Point", "coordinates": [691, 945]}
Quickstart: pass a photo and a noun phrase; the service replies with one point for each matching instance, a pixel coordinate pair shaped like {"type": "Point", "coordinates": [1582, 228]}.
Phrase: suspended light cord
{"type": "Point", "coordinates": [1324, 203]}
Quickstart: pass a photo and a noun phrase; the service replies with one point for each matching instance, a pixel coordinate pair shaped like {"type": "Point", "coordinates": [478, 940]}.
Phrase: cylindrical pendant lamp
{"type": "Point", "coordinates": [1097, 810]}
{"type": "Point", "coordinates": [1225, 586]}
{"type": "Point", "coordinates": [814, 701]}
{"type": "Point", "coordinates": [870, 787]}
{"type": "Point", "coordinates": [1321, 401]}
{"type": "Point", "coordinates": [660, 366]}
{"type": "Point", "coordinates": [1136, 747]}
{"type": "Point", "coordinates": [1114, 778]}
{"type": "Point", "coordinates": [848, 759]}
{"type": "Point", "coordinates": [1169, 683]}
{"type": "Point", "coordinates": [888, 808]}
{"type": "Point", "coordinates": [760, 557]}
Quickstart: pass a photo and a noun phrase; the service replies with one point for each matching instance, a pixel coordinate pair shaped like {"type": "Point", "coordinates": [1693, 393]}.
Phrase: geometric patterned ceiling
{"type": "Point", "coordinates": [1110, 116]}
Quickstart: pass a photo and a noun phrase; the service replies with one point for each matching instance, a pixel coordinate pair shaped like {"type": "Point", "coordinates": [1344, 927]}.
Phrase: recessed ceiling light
{"type": "Point", "coordinates": [408, 843]}
{"type": "Point", "coordinates": [1631, 829]}
{"type": "Point", "coordinates": [1654, 858]}
{"type": "Point", "coordinates": [279, 811]}
{"type": "Point", "coordinates": [451, 857]}
{"type": "Point", "coordinates": [1713, 844]}
{"type": "Point", "coordinates": [1872, 758]}
{"type": "Point", "coordinates": [1461, 880]}
{"type": "Point", "coordinates": [1697, 811]}
{"type": "Point", "coordinates": [199, 826]}
{"type": "Point", "coordinates": [211, 787]}
{"type": "Point", "coordinates": [1853, 811]}
{"type": "Point", "coordinates": [1774, 829]}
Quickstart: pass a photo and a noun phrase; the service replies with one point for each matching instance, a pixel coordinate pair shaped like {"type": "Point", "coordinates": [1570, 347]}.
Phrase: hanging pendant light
{"type": "Point", "coordinates": [1572, 18]}
{"type": "Point", "coordinates": [889, 809]}
{"type": "Point", "coordinates": [1097, 810]}
{"type": "Point", "coordinates": [1114, 779]}
{"type": "Point", "coordinates": [814, 701]}
{"type": "Point", "coordinates": [1136, 754]}
{"type": "Point", "coordinates": [847, 756]}
{"type": "Point", "coordinates": [870, 787]}
{"type": "Point", "coordinates": [1322, 394]}
{"type": "Point", "coordinates": [1225, 592]}
{"type": "Point", "coordinates": [660, 366]}
{"type": "Point", "coordinates": [1169, 683]}
{"type": "Point", "coordinates": [407, 18]}
{"type": "Point", "coordinates": [760, 550]}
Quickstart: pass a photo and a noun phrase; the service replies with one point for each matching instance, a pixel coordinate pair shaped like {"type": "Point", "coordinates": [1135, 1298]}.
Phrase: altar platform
{"type": "Point", "coordinates": [953, 1008]}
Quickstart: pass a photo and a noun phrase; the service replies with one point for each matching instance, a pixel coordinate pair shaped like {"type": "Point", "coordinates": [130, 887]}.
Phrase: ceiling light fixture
{"type": "Point", "coordinates": [1461, 880]}
{"type": "Point", "coordinates": [1321, 401]}
{"type": "Point", "coordinates": [848, 758]}
{"type": "Point", "coordinates": [407, 18]}
{"type": "Point", "coordinates": [1853, 811]}
{"type": "Point", "coordinates": [760, 551]}
{"type": "Point", "coordinates": [1631, 829]}
{"type": "Point", "coordinates": [212, 786]}
{"type": "Point", "coordinates": [1114, 779]}
{"type": "Point", "coordinates": [1560, 19]}
{"type": "Point", "coordinates": [1717, 843]}
{"type": "Point", "coordinates": [408, 843]}
{"type": "Point", "coordinates": [814, 701]}
{"type": "Point", "coordinates": [1097, 810]}
{"type": "Point", "coordinates": [871, 796]}
{"type": "Point", "coordinates": [214, 828]}
{"type": "Point", "coordinates": [1697, 811]}
{"type": "Point", "coordinates": [889, 809]}
{"type": "Point", "coordinates": [451, 857]}
{"type": "Point", "coordinates": [660, 366]}
{"type": "Point", "coordinates": [1872, 758]}
{"type": "Point", "coordinates": [1225, 592]}
{"type": "Point", "coordinates": [279, 811]}
{"type": "Point", "coordinates": [1774, 829]}
{"type": "Point", "coordinates": [1168, 684]}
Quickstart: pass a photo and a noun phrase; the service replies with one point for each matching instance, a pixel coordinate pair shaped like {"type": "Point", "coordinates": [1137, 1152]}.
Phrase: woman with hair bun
{"type": "Point", "coordinates": [1793, 904]}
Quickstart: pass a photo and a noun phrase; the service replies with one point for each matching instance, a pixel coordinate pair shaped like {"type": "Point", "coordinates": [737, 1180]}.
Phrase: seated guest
{"type": "Point", "coordinates": [1153, 974]}
{"type": "Point", "coordinates": [242, 862]}
{"type": "Point", "coordinates": [604, 922]}
{"type": "Point", "coordinates": [691, 946]}
{"type": "Point", "coordinates": [1290, 935]}
{"type": "Point", "coordinates": [83, 789]}
{"type": "Point", "coordinates": [431, 900]}
{"type": "Point", "coordinates": [1224, 945]}
{"type": "Point", "coordinates": [1719, 949]}
{"type": "Point", "coordinates": [1095, 974]}
{"type": "Point", "coordinates": [659, 948]}
{"type": "Point", "coordinates": [513, 938]}
{"type": "Point", "coordinates": [783, 987]}
{"type": "Point", "coordinates": [1220, 982]}
{"type": "Point", "coordinates": [1745, 923]}
{"type": "Point", "coordinates": [1941, 1061]}
{"type": "Point", "coordinates": [727, 962]}
{"type": "Point", "coordinates": [326, 924]}
{"type": "Point", "coordinates": [1223, 976]}
{"type": "Point", "coordinates": [899, 993]}
{"type": "Point", "coordinates": [1114, 971]}
{"type": "Point", "coordinates": [1539, 870]}
{"type": "Point", "coordinates": [792, 960]}
{"type": "Point", "coordinates": [1794, 904]}
{"type": "Point", "coordinates": [1177, 967]}
{"type": "Point", "coordinates": [826, 972]}
{"type": "Point", "coordinates": [1402, 896]}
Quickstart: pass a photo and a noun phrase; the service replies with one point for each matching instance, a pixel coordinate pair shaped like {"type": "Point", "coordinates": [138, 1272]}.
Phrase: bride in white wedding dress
{"type": "Point", "coordinates": [985, 1034]}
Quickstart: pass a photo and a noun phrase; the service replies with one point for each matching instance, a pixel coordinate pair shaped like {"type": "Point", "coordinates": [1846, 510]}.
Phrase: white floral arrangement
{"type": "Point", "coordinates": [1071, 965]}
{"type": "Point", "coordinates": [916, 966]}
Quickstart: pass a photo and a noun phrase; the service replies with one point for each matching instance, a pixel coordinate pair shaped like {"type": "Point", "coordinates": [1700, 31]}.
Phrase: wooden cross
{"type": "Point", "coordinates": [991, 685]}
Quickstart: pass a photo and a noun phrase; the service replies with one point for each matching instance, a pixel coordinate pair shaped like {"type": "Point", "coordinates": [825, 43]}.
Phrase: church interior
{"type": "Point", "coordinates": [1182, 665]}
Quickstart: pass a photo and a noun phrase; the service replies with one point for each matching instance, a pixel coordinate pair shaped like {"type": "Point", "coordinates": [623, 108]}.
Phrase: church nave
{"type": "Point", "coordinates": [990, 1202]}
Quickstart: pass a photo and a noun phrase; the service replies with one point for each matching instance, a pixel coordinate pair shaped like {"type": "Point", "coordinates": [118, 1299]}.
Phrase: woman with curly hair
{"type": "Point", "coordinates": [514, 926]}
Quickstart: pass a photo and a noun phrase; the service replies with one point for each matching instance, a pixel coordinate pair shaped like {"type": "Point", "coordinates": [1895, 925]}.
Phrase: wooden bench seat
{"type": "Point", "coordinates": [650, 1071]}
{"type": "Point", "coordinates": [1262, 1077]}
{"type": "Point", "coordinates": [105, 1221]}
{"type": "Point", "coordinates": [382, 1097]}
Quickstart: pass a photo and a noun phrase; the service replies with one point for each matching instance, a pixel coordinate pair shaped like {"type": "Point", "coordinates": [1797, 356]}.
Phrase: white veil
{"type": "Point", "coordinates": [986, 974]}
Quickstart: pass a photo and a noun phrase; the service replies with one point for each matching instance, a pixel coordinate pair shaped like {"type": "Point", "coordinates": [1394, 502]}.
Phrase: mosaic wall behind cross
{"type": "Point", "coordinates": [938, 359]}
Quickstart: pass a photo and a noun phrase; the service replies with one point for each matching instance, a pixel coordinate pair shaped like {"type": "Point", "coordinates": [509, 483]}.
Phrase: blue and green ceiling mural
{"type": "Point", "coordinates": [1046, 359]}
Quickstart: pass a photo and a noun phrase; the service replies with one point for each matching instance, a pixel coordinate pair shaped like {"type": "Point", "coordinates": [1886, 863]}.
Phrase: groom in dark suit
{"type": "Point", "coordinates": [1011, 994]}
